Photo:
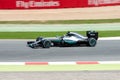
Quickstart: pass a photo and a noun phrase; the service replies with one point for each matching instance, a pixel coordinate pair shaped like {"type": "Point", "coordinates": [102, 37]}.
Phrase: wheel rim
{"type": "Point", "coordinates": [92, 42]}
{"type": "Point", "coordinates": [46, 44]}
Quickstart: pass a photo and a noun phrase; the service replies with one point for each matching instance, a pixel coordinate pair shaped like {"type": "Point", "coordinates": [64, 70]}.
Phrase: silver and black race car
{"type": "Point", "coordinates": [68, 40]}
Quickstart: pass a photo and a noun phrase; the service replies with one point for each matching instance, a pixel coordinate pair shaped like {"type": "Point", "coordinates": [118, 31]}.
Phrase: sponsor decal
{"type": "Point", "coordinates": [32, 3]}
{"type": "Point", "coordinates": [100, 2]}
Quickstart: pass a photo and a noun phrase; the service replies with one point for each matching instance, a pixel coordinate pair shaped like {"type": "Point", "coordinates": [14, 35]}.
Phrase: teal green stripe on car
{"type": "Point", "coordinates": [70, 41]}
{"type": "Point", "coordinates": [56, 40]}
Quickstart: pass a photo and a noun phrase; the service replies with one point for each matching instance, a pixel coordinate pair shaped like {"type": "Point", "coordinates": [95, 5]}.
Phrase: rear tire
{"type": "Point", "coordinates": [46, 44]}
{"type": "Point", "coordinates": [92, 42]}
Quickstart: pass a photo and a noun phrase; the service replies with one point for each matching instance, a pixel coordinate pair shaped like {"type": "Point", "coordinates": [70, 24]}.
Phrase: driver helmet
{"type": "Point", "coordinates": [68, 33]}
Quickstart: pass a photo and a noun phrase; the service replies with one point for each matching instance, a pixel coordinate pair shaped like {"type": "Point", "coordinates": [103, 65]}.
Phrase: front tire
{"type": "Point", "coordinates": [46, 44]}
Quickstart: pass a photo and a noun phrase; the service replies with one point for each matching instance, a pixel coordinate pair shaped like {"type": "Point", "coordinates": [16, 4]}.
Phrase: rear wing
{"type": "Point", "coordinates": [92, 34]}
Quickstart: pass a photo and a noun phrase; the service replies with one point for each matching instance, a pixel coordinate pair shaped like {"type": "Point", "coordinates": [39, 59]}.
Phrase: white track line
{"type": "Point", "coordinates": [109, 38]}
{"type": "Point", "coordinates": [60, 63]}
{"type": "Point", "coordinates": [12, 63]}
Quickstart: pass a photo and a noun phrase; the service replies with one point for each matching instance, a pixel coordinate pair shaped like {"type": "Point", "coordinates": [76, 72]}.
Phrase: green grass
{"type": "Point", "coordinates": [32, 35]}
{"type": "Point", "coordinates": [59, 67]}
{"type": "Point", "coordinates": [63, 21]}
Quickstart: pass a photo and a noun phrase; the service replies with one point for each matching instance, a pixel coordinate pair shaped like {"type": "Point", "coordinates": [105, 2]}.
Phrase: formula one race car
{"type": "Point", "coordinates": [68, 40]}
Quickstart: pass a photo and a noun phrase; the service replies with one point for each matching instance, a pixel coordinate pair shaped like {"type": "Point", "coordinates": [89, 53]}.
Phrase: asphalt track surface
{"type": "Point", "coordinates": [66, 75]}
{"type": "Point", "coordinates": [16, 51]}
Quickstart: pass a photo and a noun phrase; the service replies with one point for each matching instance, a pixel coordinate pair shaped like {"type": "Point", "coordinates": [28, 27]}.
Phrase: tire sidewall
{"type": "Point", "coordinates": [46, 44]}
{"type": "Point", "coordinates": [92, 42]}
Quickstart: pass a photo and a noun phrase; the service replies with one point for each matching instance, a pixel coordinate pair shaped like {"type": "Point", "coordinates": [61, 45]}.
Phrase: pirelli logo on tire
{"type": "Point", "coordinates": [37, 4]}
